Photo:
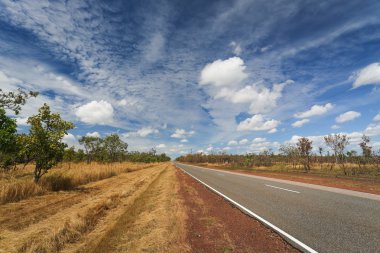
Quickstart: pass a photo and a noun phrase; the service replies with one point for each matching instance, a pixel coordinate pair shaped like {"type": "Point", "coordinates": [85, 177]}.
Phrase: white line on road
{"type": "Point", "coordinates": [281, 188]}
{"type": "Point", "coordinates": [285, 235]}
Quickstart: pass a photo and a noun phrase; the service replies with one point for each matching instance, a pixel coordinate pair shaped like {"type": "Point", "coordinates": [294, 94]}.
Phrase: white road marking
{"type": "Point", "coordinates": [285, 235]}
{"type": "Point", "coordinates": [281, 188]}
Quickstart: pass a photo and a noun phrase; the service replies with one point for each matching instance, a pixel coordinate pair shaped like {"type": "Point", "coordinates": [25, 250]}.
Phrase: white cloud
{"type": "Point", "coordinates": [209, 149]}
{"type": "Point", "coordinates": [145, 131]}
{"type": "Point", "coordinates": [182, 134]}
{"type": "Point", "coordinates": [315, 110]}
{"type": "Point", "coordinates": [272, 131]}
{"type": "Point", "coordinates": [260, 98]}
{"type": "Point", "coordinates": [70, 140]}
{"type": "Point", "coordinates": [372, 130]}
{"type": "Point", "coordinates": [237, 50]}
{"type": "Point", "coordinates": [257, 123]}
{"type": "Point", "coordinates": [347, 116]}
{"type": "Point", "coordinates": [22, 121]}
{"type": "Point", "coordinates": [243, 141]}
{"type": "Point", "coordinates": [228, 72]}
{"type": "Point", "coordinates": [184, 140]}
{"type": "Point", "coordinates": [258, 139]}
{"type": "Point", "coordinates": [232, 142]}
{"type": "Point", "coordinates": [377, 117]}
{"type": "Point", "coordinates": [335, 127]}
{"type": "Point", "coordinates": [300, 123]}
{"type": "Point", "coordinates": [93, 134]}
{"type": "Point", "coordinates": [368, 75]}
{"type": "Point", "coordinates": [96, 112]}
{"type": "Point", "coordinates": [162, 145]}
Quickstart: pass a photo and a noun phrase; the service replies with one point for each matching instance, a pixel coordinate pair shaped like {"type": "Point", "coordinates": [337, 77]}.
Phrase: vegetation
{"type": "Point", "coordinates": [299, 157]}
{"type": "Point", "coordinates": [43, 145]}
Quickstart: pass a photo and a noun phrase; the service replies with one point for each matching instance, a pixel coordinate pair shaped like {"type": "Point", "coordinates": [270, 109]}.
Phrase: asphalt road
{"type": "Point", "coordinates": [324, 220]}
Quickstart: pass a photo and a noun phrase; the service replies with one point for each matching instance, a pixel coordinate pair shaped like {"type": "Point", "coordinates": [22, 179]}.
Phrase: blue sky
{"type": "Point", "coordinates": [181, 76]}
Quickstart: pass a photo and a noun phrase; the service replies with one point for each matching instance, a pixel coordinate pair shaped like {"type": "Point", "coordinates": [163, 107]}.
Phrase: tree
{"type": "Point", "coordinates": [45, 139]}
{"type": "Point", "coordinates": [366, 149]}
{"type": "Point", "coordinates": [304, 147]}
{"type": "Point", "coordinates": [338, 143]}
{"type": "Point", "coordinates": [69, 155]}
{"type": "Point", "coordinates": [291, 152]}
{"type": "Point", "coordinates": [14, 100]}
{"type": "Point", "coordinates": [8, 141]}
{"type": "Point", "coordinates": [91, 146]}
{"type": "Point", "coordinates": [114, 147]}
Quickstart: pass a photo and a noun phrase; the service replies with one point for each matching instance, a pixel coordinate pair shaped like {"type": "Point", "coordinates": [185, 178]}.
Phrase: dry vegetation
{"type": "Point", "coordinates": [130, 212]}
{"type": "Point", "coordinates": [18, 184]}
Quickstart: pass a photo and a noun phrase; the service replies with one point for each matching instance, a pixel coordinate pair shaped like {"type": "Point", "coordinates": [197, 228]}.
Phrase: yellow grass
{"type": "Point", "coordinates": [136, 212]}
{"type": "Point", "coordinates": [17, 185]}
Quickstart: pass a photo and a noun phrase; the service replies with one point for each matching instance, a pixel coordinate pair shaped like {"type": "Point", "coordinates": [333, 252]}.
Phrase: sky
{"type": "Point", "coordinates": [198, 76]}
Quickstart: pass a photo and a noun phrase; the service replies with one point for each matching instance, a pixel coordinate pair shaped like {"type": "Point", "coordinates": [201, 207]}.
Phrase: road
{"type": "Point", "coordinates": [324, 220]}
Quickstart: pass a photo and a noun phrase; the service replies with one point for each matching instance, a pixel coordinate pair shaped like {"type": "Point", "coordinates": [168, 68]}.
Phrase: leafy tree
{"type": "Point", "coordinates": [13, 100]}
{"type": "Point", "coordinates": [8, 141]}
{"type": "Point", "coordinates": [91, 146]}
{"type": "Point", "coordinates": [304, 146]}
{"type": "Point", "coordinates": [114, 147]}
{"type": "Point", "coordinates": [45, 139]}
{"type": "Point", "coordinates": [69, 155]}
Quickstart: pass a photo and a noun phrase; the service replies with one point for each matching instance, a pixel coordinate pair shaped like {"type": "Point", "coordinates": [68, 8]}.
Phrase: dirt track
{"type": "Point", "coordinates": [117, 214]}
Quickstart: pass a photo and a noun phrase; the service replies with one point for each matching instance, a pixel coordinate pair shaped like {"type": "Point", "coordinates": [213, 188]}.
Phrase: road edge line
{"type": "Point", "coordinates": [291, 239]}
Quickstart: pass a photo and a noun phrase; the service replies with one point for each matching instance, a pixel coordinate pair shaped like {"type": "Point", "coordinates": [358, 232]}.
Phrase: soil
{"type": "Point", "coordinates": [215, 225]}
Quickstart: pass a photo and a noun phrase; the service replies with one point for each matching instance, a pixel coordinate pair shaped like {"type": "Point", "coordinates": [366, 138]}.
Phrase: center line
{"type": "Point", "coordinates": [281, 188]}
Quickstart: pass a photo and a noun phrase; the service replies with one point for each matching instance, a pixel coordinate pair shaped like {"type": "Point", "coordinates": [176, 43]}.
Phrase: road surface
{"type": "Point", "coordinates": [323, 218]}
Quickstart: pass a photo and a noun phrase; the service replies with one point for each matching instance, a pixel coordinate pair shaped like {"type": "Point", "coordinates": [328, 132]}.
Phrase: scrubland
{"type": "Point", "coordinates": [122, 207]}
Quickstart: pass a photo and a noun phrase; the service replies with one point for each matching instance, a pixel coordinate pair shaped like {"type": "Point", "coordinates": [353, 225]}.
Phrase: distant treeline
{"type": "Point", "coordinates": [109, 149]}
{"type": "Point", "coordinates": [300, 155]}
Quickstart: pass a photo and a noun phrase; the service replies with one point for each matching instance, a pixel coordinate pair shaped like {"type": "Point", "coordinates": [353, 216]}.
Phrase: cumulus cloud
{"type": "Point", "coordinates": [372, 130]}
{"type": "Point", "coordinates": [143, 132]}
{"type": "Point", "coordinates": [184, 140]}
{"type": "Point", "coordinates": [377, 117]}
{"type": "Point", "coordinates": [232, 142]}
{"type": "Point", "coordinates": [300, 123]}
{"type": "Point", "coordinates": [70, 140]}
{"type": "Point", "coordinates": [236, 48]}
{"type": "Point", "coordinates": [228, 72]}
{"type": "Point", "coordinates": [315, 110]}
{"type": "Point", "coordinates": [22, 121]}
{"type": "Point", "coordinates": [335, 127]}
{"type": "Point", "coordinates": [259, 139]}
{"type": "Point", "coordinates": [368, 75]}
{"type": "Point", "coordinates": [347, 116]}
{"type": "Point", "coordinates": [258, 123]}
{"type": "Point", "coordinates": [161, 145]}
{"type": "Point", "coordinates": [243, 141]}
{"type": "Point", "coordinates": [260, 98]}
{"type": "Point", "coordinates": [93, 134]}
{"type": "Point", "coordinates": [182, 134]}
{"type": "Point", "coordinates": [96, 113]}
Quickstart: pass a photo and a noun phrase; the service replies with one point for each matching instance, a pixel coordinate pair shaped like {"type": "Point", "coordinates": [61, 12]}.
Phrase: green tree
{"type": "Point", "coordinates": [45, 139]}
{"type": "Point", "coordinates": [338, 143]}
{"type": "Point", "coordinates": [69, 155]}
{"type": "Point", "coordinates": [114, 147]}
{"type": "Point", "coordinates": [13, 100]}
{"type": "Point", "coordinates": [92, 146]}
{"type": "Point", "coordinates": [8, 141]}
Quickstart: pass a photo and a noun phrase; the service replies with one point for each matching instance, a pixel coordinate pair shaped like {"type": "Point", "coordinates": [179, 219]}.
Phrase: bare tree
{"type": "Point", "coordinates": [304, 146]}
{"type": "Point", "coordinates": [338, 143]}
{"type": "Point", "coordinates": [291, 152]}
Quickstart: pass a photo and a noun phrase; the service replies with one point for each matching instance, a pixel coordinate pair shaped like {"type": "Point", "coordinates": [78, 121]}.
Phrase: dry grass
{"type": "Point", "coordinates": [81, 221]}
{"type": "Point", "coordinates": [17, 185]}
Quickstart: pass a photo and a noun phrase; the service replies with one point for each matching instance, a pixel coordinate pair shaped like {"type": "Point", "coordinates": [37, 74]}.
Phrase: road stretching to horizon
{"type": "Point", "coordinates": [324, 220]}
